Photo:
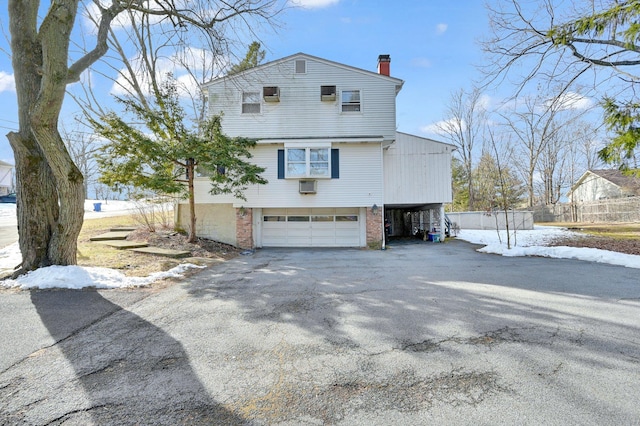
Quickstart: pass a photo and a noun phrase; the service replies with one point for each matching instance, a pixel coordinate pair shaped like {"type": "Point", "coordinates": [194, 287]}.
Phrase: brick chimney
{"type": "Point", "coordinates": [384, 65]}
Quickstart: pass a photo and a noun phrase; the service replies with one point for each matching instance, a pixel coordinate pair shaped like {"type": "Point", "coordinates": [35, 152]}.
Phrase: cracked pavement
{"type": "Point", "coordinates": [417, 334]}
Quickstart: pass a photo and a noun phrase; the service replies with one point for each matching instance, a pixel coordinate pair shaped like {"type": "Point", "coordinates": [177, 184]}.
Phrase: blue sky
{"type": "Point", "coordinates": [433, 48]}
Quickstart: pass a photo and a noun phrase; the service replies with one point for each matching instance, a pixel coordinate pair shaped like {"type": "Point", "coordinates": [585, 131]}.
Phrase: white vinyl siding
{"type": "Point", "coordinates": [301, 112]}
{"type": "Point", "coordinates": [360, 183]}
{"type": "Point", "coordinates": [594, 188]}
{"type": "Point", "coordinates": [417, 171]}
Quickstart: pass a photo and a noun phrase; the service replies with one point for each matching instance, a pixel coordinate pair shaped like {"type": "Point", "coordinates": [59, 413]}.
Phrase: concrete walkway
{"type": "Point", "coordinates": [117, 238]}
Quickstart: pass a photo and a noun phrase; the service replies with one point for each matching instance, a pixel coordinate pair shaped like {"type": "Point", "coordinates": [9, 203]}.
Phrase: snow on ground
{"type": "Point", "coordinates": [76, 277]}
{"type": "Point", "coordinates": [533, 243]}
{"type": "Point", "coordinates": [524, 243]}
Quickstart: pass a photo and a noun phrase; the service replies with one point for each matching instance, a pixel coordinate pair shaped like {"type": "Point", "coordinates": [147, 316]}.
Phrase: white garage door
{"type": "Point", "coordinates": [310, 228]}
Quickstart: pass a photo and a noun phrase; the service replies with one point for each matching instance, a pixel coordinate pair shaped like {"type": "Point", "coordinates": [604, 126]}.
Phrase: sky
{"type": "Point", "coordinates": [528, 243]}
{"type": "Point", "coordinates": [433, 48]}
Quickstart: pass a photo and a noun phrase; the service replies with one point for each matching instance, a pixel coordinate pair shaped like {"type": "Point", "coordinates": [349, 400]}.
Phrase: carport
{"type": "Point", "coordinates": [415, 220]}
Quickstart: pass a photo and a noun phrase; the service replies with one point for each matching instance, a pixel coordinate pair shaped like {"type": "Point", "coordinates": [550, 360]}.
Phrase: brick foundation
{"type": "Point", "coordinates": [244, 228]}
{"type": "Point", "coordinates": [374, 228]}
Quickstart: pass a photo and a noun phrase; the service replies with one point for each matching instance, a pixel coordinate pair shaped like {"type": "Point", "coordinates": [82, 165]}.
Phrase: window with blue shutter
{"type": "Point", "coordinates": [335, 163]}
{"type": "Point", "coordinates": [281, 164]}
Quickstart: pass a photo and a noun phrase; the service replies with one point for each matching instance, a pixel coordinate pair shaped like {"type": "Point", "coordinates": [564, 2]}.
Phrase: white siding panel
{"type": "Point", "coordinates": [360, 183]}
{"type": "Point", "coordinates": [417, 171]}
{"type": "Point", "coordinates": [300, 112]}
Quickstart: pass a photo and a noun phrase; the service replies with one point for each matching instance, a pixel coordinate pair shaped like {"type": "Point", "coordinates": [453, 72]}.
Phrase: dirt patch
{"type": "Point", "coordinates": [140, 264]}
{"type": "Point", "coordinates": [620, 245]}
{"type": "Point", "coordinates": [178, 241]}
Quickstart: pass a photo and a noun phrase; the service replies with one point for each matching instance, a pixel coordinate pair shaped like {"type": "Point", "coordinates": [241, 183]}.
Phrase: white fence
{"type": "Point", "coordinates": [492, 220]}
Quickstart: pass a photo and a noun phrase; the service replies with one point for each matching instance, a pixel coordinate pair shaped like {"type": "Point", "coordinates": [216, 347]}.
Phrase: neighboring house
{"type": "Point", "coordinates": [6, 178]}
{"type": "Point", "coordinates": [326, 135]}
{"type": "Point", "coordinates": [596, 185]}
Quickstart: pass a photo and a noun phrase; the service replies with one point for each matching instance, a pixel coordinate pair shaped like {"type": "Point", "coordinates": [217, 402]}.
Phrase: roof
{"type": "Point", "coordinates": [299, 55]}
{"type": "Point", "coordinates": [630, 184]}
{"type": "Point", "coordinates": [429, 140]}
{"type": "Point", "coordinates": [3, 163]}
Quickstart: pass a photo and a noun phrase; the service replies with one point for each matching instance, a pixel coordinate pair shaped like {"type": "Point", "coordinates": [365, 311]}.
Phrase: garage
{"type": "Point", "coordinates": [340, 227]}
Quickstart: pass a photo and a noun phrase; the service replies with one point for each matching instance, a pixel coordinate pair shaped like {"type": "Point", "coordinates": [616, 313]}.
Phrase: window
{"type": "Point", "coordinates": [350, 101]}
{"type": "Point", "coordinates": [251, 102]}
{"type": "Point", "coordinates": [308, 162]}
{"type": "Point", "coordinates": [301, 66]}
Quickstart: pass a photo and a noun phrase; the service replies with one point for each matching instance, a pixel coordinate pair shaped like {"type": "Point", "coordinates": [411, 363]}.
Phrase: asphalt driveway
{"type": "Point", "coordinates": [417, 334]}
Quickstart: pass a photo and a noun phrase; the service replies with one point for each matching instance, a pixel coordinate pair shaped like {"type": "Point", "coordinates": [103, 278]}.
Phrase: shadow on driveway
{"type": "Point", "coordinates": [117, 369]}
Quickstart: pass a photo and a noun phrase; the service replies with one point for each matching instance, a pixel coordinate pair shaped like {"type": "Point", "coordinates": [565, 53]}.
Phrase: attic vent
{"type": "Point", "coordinates": [271, 93]}
{"type": "Point", "coordinates": [301, 66]}
{"type": "Point", "coordinates": [308, 186]}
{"type": "Point", "coordinates": [328, 93]}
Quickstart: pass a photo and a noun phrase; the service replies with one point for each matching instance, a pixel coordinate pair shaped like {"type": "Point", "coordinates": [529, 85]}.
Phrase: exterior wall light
{"type": "Point", "coordinates": [374, 209]}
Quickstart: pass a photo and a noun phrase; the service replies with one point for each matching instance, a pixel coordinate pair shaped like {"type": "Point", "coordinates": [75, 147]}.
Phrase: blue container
{"type": "Point", "coordinates": [97, 207]}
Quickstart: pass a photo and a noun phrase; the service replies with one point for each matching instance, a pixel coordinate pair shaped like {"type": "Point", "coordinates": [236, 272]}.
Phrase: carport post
{"type": "Point", "coordinates": [442, 223]}
{"type": "Point", "coordinates": [384, 235]}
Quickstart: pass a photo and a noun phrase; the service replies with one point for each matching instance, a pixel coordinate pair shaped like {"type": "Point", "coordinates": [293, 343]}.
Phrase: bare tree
{"type": "Point", "coordinates": [50, 187]}
{"type": "Point", "coordinates": [535, 123]}
{"type": "Point", "coordinates": [575, 45]}
{"type": "Point", "coordinates": [464, 122]}
{"type": "Point", "coordinates": [507, 189]}
{"type": "Point", "coordinates": [82, 146]}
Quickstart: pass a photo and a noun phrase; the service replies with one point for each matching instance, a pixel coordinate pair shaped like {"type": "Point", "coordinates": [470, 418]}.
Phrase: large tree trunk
{"type": "Point", "coordinates": [50, 194]}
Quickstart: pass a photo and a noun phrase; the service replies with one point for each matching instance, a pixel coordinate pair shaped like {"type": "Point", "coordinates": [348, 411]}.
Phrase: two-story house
{"type": "Point", "coordinates": [326, 135]}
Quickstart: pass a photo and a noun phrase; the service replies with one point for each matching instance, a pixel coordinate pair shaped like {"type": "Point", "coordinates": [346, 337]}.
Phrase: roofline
{"type": "Point", "coordinates": [398, 81]}
{"type": "Point", "coordinates": [428, 139]}
{"type": "Point", "coordinates": [584, 177]}
{"type": "Point", "coordinates": [323, 139]}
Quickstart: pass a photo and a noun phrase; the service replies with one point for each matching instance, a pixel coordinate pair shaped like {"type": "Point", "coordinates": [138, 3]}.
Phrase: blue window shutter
{"type": "Point", "coordinates": [281, 164]}
{"type": "Point", "coordinates": [335, 163]}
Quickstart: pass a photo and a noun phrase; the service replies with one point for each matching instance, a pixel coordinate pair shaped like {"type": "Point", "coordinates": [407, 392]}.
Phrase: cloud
{"type": "Point", "coordinates": [421, 62]}
{"type": "Point", "coordinates": [441, 28]}
{"type": "Point", "coordinates": [573, 100]}
{"type": "Point", "coordinates": [443, 127]}
{"type": "Point", "coordinates": [7, 82]}
{"type": "Point", "coordinates": [312, 4]}
{"type": "Point", "coordinates": [198, 61]}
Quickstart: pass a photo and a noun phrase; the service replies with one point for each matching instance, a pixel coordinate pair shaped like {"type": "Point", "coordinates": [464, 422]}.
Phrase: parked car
{"type": "Point", "coordinates": [9, 198]}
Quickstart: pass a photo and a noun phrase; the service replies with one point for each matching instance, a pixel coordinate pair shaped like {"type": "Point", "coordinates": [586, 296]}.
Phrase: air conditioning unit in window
{"type": "Point", "coordinates": [328, 93]}
{"type": "Point", "coordinates": [271, 93]}
{"type": "Point", "coordinates": [308, 186]}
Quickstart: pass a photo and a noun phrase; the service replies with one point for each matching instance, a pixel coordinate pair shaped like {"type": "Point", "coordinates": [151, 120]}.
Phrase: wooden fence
{"type": "Point", "coordinates": [601, 211]}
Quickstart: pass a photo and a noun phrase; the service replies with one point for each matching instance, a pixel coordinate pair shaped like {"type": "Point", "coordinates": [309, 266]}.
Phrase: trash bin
{"type": "Point", "coordinates": [434, 236]}
{"type": "Point", "coordinates": [97, 207]}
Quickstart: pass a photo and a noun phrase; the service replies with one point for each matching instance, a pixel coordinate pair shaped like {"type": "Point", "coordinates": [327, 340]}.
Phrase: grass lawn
{"type": "Point", "coordinates": [130, 263]}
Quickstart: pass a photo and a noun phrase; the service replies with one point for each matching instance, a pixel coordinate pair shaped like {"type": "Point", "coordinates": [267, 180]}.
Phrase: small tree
{"type": "Point", "coordinates": [164, 155]}
{"type": "Point", "coordinates": [253, 58]}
